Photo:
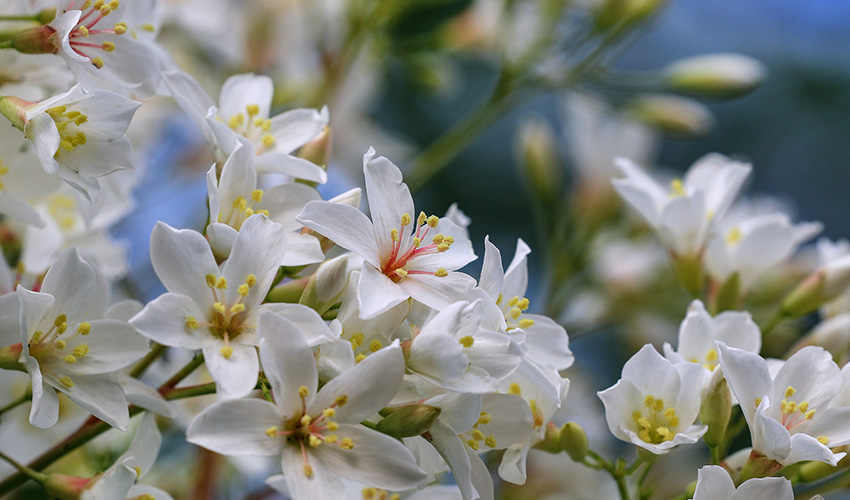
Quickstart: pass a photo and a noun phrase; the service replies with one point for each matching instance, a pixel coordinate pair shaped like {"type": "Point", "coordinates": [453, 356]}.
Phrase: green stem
{"type": "Point", "coordinates": [29, 17]}
{"type": "Point", "coordinates": [772, 323]}
{"type": "Point", "coordinates": [622, 486]}
{"type": "Point", "coordinates": [7, 44]}
{"type": "Point", "coordinates": [157, 350]}
{"type": "Point", "coordinates": [834, 482]}
{"type": "Point", "coordinates": [184, 372]}
{"type": "Point", "coordinates": [34, 475]}
{"type": "Point", "coordinates": [21, 400]}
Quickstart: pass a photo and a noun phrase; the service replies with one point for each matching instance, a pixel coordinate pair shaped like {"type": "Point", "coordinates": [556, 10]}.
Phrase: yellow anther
{"type": "Point", "coordinates": [120, 28]}
{"type": "Point", "coordinates": [332, 426]}
{"type": "Point", "coordinates": [105, 10]}
{"type": "Point", "coordinates": [257, 195]}
{"type": "Point", "coordinates": [649, 400]}
{"type": "Point", "coordinates": [674, 421]}
{"type": "Point", "coordinates": [237, 308]}
{"type": "Point", "coordinates": [84, 328]}
{"type": "Point", "coordinates": [491, 441]}
{"type": "Point", "coordinates": [306, 420]}
{"type": "Point", "coordinates": [60, 320]}
{"type": "Point", "coordinates": [659, 404]}
{"type": "Point", "coordinates": [810, 414]}
{"type": "Point", "coordinates": [271, 431]}
{"type": "Point", "coordinates": [484, 418]}
{"type": "Point", "coordinates": [711, 355]}
{"type": "Point", "coordinates": [438, 238]}
{"type": "Point", "coordinates": [341, 400]}
{"type": "Point", "coordinates": [219, 308]}
{"type": "Point", "coordinates": [823, 440]}
{"type": "Point", "coordinates": [733, 236]}
{"type": "Point", "coordinates": [514, 389]}
{"type": "Point", "coordinates": [792, 407]}
{"type": "Point", "coordinates": [192, 322]}
{"type": "Point", "coordinates": [664, 432]}
{"type": "Point", "coordinates": [636, 415]}
{"type": "Point", "coordinates": [477, 435]}
{"type": "Point", "coordinates": [515, 312]}
{"type": "Point", "coordinates": [149, 27]}
{"type": "Point", "coordinates": [268, 140]}
{"type": "Point", "coordinates": [226, 351]}
{"type": "Point", "coordinates": [250, 280]}
{"type": "Point", "coordinates": [467, 341]}
{"type": "Point", "coordinates": [401, 273]}
{"type": "Point", "coordinates": [329, 412]}
{"type": "Point", "coordinates": [526, 323]}
{"type": "Point", "coordinates": [669, 413]}
{"type": "Point", "coordinates": [36, 337]}
{"type": "Point", "coordinates": [67, 382]}
{"type": "Point", "coordinates": [221, 283]}
{"type": "Point", "coordinates": [433, 221]}
{"type": "Point", "coordinates": [803, 407]}
{"type": "Point", "coordinates": [523, 303]}
{"type": "Point", "coordinates": [113, 4]}
{"type": "Point", "coordinates": [70, 359]}
{"type": "Point", "coordinates": [243, 289]}
{"type": "Point", "coordinates": [472, 444]}
{"type": "Point", "coordinates": [252, 109]}
{"type": "Point", "coordinates": [346, 444]}
{"type": "Point", "coordinates": [405, 219]}
{"type": "Point", "coordinates": [81, 350]}
{"type": "Point", "coordinates": [331, 438]}
{"type": "Point", "coordinates": [644, 423]}
{"type": "Point", "coordinates": [442, 247]}
{"type": "Point", "coordinates": [108, 46]}
{"type": "Point", "coordinates": [369, 493]}
{"type": "Point", "coordinates": [356, 340]}
{"type": "Point", "coordinates": [210, 279]}
{"type": "Point", "coordinates": [303, 391]}
{"type": "Point", "coordinates": [97, 62]}
{"type": "Point", "coordinates": [394, 234]}
{"type": "Point", "coordinates": [790, 391]}
{"type": "Point", "coordinates": [416, 242]}
{"type": "Point", "coordinates": [83, 30]}
{"type": "Point", "coordinates": [360, 357]}
{"type": "Point", "coordinates": [441, 273]}
{"type": "Point", "coordinates": [421, 219]}
{"type": "Point", "coordinates": [308, 470]}
{"type": "Point", "coordinates": [314, 441]}
{"type": "Point", "coordinates": [449, 240]}
{"type": "Point", "coordinates": [757, 402]}
{"type": "Point", "coordinates": [375, 345]}
{"type": "Point", "coordinates": [677, 188]}
{"type": "Point", "coordinates": [60, 344]}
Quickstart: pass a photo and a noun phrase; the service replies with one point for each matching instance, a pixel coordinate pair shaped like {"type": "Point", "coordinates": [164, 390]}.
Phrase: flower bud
{"type": "Point", "coordinates": [728, 293]}
{"type": "Point", "coordinates": [673, 114]}
{"type": "Point", "coordinates": [326, 285]}
{"type": "Point", "coordinates": [716, 408]}
{"type": "Point", "coordinates": [9, 357]}
{"type": "Point", "coordinates": [810, 472]}
{"type": "Point", "coordinates": [65, 487]}
{"type": "Point", "coordinates": [688, 269]}
{"type": "Point", "coordinates": [351, 197]}
{"type": "Point", "coordinates": [821, 286]}
{"type": "Point", "coordinates": [318, 150]}
{"type": "Point", "coordinates": [38, 40]}
{"type": "Point", "coordinates": [44, 16]}
{"type": "Point", "coordinates": [833, 334]}
{"type": "Point", "coordinates": [574, 441]}
{"type": "Point", "coordinates": [551, 441]}
{"type": "Point", "coordinates": [289, 292]}
{"type": "Point", "coordinates": [539, 160]}
{"type": "Point", "coordinates": [759, 465]}
{"type": "Point", "coordinates": [409, 421]}
{"type": "Point", "coordinates": [715, 75]}
{"type": "Point", "coordinates": [14, 109]}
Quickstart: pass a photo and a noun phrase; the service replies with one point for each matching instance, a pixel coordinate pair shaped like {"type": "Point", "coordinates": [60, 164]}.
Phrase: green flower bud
{"type": "Point", "coordinates": [9, 357]}
{"type": "Point", "coordinates": [551, 441]}
{"type": "Point", "coordinates": [673, 114]}
{"type": "Point", "coordinates": [574, 441]}
{"type": "Point", "coordinates": [38, 40]}
{"type": "Point", "coordinates": [539, 160]}
{"type": "Point", "coordinates": [65, 487]}
{"type": "Point", "coordinates": [326, 285]}
{"type": "Point", "coordinates": [821, 286]}
{"type": "Point", "coordinates": [716, 409]}
{"type": "Point", "coordinates": [715, 75]}
{"type": "Point", "coordinates": [409, 421]}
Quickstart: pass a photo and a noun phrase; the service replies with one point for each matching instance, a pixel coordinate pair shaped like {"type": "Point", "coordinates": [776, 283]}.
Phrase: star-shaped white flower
{"type": "Point", "coordinates": [404, 257]}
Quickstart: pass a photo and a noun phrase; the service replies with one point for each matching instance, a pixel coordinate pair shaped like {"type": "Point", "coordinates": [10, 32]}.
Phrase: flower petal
{"type": "Point", "coordinates": [235, 374]}
{"type": "Point", "coordinates": [214, 428]}
{"type": "Point", "coordinates": [345, 225]}
{"type": "Point", "coordinates": [288, 362]}
{"type": "Point", "coordinates": [182, 259]}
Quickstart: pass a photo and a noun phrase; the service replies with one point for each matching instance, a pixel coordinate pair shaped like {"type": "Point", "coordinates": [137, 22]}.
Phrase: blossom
{"type": "Point", "coordinates": [67, 347]}
{"type": "Point", "coordinates": [209, 308]}
{"type": "Point", "coordinates": [79, 134]}
{"type": "Point", "coordinates": [682, 213]}
{"type": "Point", "coordinates": [655, 403]}
{"type": "Point", "coordinates": [789, 414]}
{"type": "Point", "coordinates": [714, 483]}
{"type": "Point", "coordinates": [403, 259]}
{"type": "Point", "coordinates": [316, 432]}
{"type": "Point", "coordinates": [22, 179]}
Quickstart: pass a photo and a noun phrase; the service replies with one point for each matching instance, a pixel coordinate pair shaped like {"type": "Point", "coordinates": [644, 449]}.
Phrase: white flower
{"type": "Point", "coordinates": [21, 180]}
{"type": "Point", "coordinates": [751, 243]}
{"type": "Point", "coordinates": [655, 403]}
{"type": "Point", "coordinates": [106, 40]}
{"type": "Point", "coordinates": [235, 196]}
{"type": "Point", "coordinates": [789, 415]}
{"type": "Point", "coordinates": [681, 214]}
{"type": "Point", "coordinates": [404, 257]}
{"type": "Point", "coordinates": [244, 107]}
{"type": "Point", "coordinates": [210, 308]}
{"type": "Point", "coordinates": [81, 135]}
{"type": "Point", "coordinates": [66, 346]}
{"type": "Point", "coordinates": [316, 432]}
{"type": "Point", "coordinates": [714, 483]}
{"type": "Point", "coordinates": [699, 331]}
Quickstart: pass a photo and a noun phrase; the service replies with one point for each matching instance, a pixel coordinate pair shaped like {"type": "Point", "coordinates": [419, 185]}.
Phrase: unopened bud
{"type": "Point", "coordinates": [821, 286]}
{"type": "Point", "coordinates": [326, 285]}
{"type": "Point", "coordinates": [318, 150]}
{"type": "Point", "coordinates": [14, 109]}
{"type": "Point", "coordinates": [38, 40]}
{"type": "Point", "coordinates": [833, 334]}
{"type": "Point", "coordinates": [673, 114]}
{"type": "Point", "coordinates": [551, 441]}
{"type": "Point", "coordinates": [758, 466]}
{"type": "Point", "coordinates": [289, 292]}
{"type": "Point", "coordinates": [574, 441]}
{"type": "Point", "coordinates": [716, 408]}
{"type": "Point", "coordinates": [614, 12]}
{"type": "Point", "coordinates": [813, 471]}
{"type": "Point", "coordinates": [45, 16]}
{"type": "Point", "coordinates": [409, 421]}
{"type": "Point", "coordinates": [689, 270]}
{"type": "Point", "coordinates": [715, 75]}
{"type": "Point", "coordinates": [351, 197]}
{"type": "Point", "coordinates": [727, 295]}
{"type": "Point", "coordinates": [540, 160]}
{"type": "Point", "coordinates": [65, 487]}
{"type": "Point", "coordinates": [9, 357]}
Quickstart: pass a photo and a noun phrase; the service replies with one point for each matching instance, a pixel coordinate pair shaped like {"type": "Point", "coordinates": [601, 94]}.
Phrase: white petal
{"type": "Point", "coordinates": [236, 375]}
{"type": "Point", "coordinates": [748, 377]}
{"type": "Point", "coordinates": [388, 196]}
{"type": "Point", "coordinates": [438, 292]}
{"type": "Point", "coordinates": [294, 128]}
{"type": "Point", "coordinates": [453, 451]}
{"type": "Point", "coordinates": [714, 483]}
{"type": "Point", "coordinates": [258, 250]}
{"type": "Point", "coordinates": [288, 362]}
{"type": "Point", "coordinates": [344, 225]}
{"type": "Point", "coordinates": [215, 428]}
{"type": "Point", "coordinates": [377, 294]}
{"type": "Point", "coordinates": [112, 345]}
{"type": "Point", "coordinates": [766, 488]}
{"type": "Point", "coordinates": [322, 483]}
{"type": "Point", "coordinates": [182, 259]}
{"type": "Point", "coordinates": [240, 91]}
{"type": "Point", "coordinates": [100, 395]}
{"type": "Point", "coordinates": [492, 274]}
{"type": "Point", "coordinates": [143, 396]}
{"type": "Point", "coordinates": [516, 276]}
{"type": "Point", "coordinates": [805, 447]}
{"type": "Point", "coordinates": [306, 321]}
{"type": "Point", "coordinates": [164, 320]}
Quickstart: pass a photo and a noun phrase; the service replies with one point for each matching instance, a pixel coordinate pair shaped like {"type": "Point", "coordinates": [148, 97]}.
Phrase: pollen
{"type": "Point", "coordinates": [332, 426]}
{"type": "Point", "coordinates": [192, 322]}
{"type": "Point", "coordinates": [108, 46]}
{"type": "Point", "coordinates": [733, 236]}
{"type": "Point", "coordinates": [271, 431]}
{"type": "Point", "coordinates": [394, 234]}
{"type": "Point", "coordinates": [360, 357]}
{"type": "Point", "coordinates": [823, 440]}
{"type": "Point", "coordinates": [97, 62]}
{"type": "Point", "coordinates": [252, 109]}
{"type": "Point", "coordinates": [356, 340]}
{"type": "Point", "coordinates": [677, 188]}
{"type": "Point", "coordinates": [257, 195]}
{"type": "Point", "coordinates": [472, 444]}
{"type": "Point", "coordinates": [375, 345]}
{"type": "Point", "coordinates": [405, 219]}
{"type": "Point", "coordinates": [268, 140]}
{"type": "Point", "coordinates": [243, 289]}
{"type": "Point", "coordinates": [84, 328]}
{"type": "Point", "coordinates": [60, 344]}
{"type": "Point", "coordinates": [226, 351]}
{"type": "Point", "coordinates": [346, 444]}
{"type": "Point", "coordinates": [237, 308]}
{"type": "Point", "coordinates": [221, 283]}
{"type": "Point", "coordinates": [467, 341]}
{"type": "Point", "coordinates": [67, 382]}
{"type": "Point", "coordinates": [308, 470]}
{"type": "Point", "coordinates": [303, 391]}
{"type": "Point", "coordinates": [515, 389]}
{"type": "Point", "coordinates": [306, 420]}
{"type": "Point", "coordinates": [341, 400]}
{"type": "Point", "coordinates": [219, 308]}
{"type": "Point", "coordinates": [790, 391]}
{"type": "Point", "coordinates": [329, 412]}
{"type": "Point", "coordinates": [491, 441]}
{"type": "Point", "coordinates": [421, 219]}
{"type": "Point", "coordinates": [70, 359]}
{"type": "Point", "coordinates": [210, 279]}
{"type": "Point", "coordinates": [250, 280]}
{"type": "Point", "coordinates": [484, 418]}
{"type": "Point", "coordinates": [441, 273]}
{"type": "Point", "coordinates": [433, 221]}
{"type": "Point", "coordinates": [120, 28]}
{"type": "Point", "coordinates": [526, 323]}
{"type": "Point", "coordinates": [515, 312]}
{"type": "Point", "coordinates": [81, 350]}
{"type": "Point", "coordinates": [314, 441]}
{"type": "Point", "coordinates": [83, 30]}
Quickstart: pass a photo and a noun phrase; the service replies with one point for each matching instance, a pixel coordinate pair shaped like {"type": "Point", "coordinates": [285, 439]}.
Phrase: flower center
{"type": "Point", "coordinates": [43, 343]}
{"type": "Point", "coordinates": [92, 14]}
{"type": "Point", "coordinates": [68, 123]}
{"type": "Point", "coordinates": [677, 188]}
{"type": "Point", "coordinates": [241, 209]}
{"type": "Point", "coordinates": [710, 359]}
{"type": "Point", "coordinates": [397, 265]}
{"type": "Point", "coordinates": [658, 425]}
{"type": "Point", "coordinates": [475, 436]}
{"type": "Point", "coordinates": [253, 127]}
{"type": "Point", "coordinates": [225, 320]}
{"type": "Point", "coordinates": [62, 208]}
{"type": "Point", "coordinates": [312, 431]}
{"type": "Point", "coordinates": [513, 310]}
{"type": "Point", "coordinates": [794, 413]}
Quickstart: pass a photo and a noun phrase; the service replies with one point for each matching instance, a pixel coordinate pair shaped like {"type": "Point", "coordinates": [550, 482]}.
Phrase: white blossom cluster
{"type": "Point", "coordinates": [351, 347]}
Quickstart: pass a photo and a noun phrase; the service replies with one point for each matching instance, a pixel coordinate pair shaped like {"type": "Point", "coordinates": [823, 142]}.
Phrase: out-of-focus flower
{"type": "Point", "coordinates": [714, 483]}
